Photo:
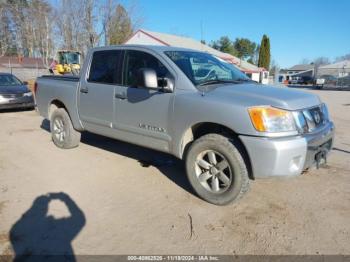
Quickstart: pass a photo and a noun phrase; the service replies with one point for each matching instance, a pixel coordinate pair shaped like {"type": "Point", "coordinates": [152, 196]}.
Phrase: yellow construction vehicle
{"type": "Point", "coordinates": [66, 62]}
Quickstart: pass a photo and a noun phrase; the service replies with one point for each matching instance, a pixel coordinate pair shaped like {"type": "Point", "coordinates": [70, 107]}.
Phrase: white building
{"type": "Point", "coordinates": [143, 37]}
{"type": "Point", "coordinates": [285, 75]}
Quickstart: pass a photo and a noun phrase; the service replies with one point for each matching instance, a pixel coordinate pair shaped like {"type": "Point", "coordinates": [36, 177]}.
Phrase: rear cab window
{"type": "Point", "coordinates": [106, 67]}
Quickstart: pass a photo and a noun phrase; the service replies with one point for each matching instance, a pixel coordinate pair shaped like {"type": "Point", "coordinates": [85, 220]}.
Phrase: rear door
{"type": "Point", "coordinates": [96, 98]}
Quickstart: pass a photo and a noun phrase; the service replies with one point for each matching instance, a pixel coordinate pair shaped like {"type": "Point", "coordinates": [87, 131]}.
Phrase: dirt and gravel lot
{"type": "Point", "coordinates": [122, 199]}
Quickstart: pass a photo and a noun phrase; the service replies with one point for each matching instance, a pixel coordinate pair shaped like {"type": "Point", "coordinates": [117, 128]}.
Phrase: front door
{"type": "Point", "coordinates": [96, 97]}
{"type": "Point", "coordinates": [142, 115]}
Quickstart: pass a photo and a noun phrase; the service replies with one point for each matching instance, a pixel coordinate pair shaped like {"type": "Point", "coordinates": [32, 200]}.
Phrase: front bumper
{"type": "Point", "coordinates": [20, 102]}
{"type": "Point", "coordinates": [287, 156]}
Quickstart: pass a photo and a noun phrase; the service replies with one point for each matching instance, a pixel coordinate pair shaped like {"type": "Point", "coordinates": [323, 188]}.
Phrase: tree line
{"type": "Point", "coordinates": [245, 49]}
{"type": "Point", "coordinates": [324, 60]}
{"type": "Point", "coordinates": [37, 28]}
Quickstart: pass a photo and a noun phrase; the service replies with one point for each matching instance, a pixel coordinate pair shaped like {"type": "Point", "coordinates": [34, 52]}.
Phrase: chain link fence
{"type": "Point", "coordinates": [333, 77]}
{"type": "Point", "coordinates": [25, 74]}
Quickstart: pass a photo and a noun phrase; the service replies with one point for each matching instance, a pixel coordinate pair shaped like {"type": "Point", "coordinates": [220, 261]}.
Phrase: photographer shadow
{"type": "Point", "coordinates": [37, 234]}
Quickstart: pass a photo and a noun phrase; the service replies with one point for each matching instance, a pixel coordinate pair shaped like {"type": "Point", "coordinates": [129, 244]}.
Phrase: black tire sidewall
{"type": "Point", "coordinates": [236, 163]}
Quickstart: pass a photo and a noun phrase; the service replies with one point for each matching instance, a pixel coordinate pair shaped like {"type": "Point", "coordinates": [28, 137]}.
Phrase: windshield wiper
{"type": "Point", "coordinates": [221, 81]}
{"type": "Point", "coordinates": [244, 80]}
{"type": "Point", "coordinates": [217, 81]}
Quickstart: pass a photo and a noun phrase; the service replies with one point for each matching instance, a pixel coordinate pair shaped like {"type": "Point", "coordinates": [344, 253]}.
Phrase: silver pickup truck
{"type": "Point", "coordinates": [197, 107]}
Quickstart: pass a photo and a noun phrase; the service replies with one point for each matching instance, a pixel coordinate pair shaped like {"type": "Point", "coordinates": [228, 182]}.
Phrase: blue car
{"type": "Point", "coordinates": [14, 93]}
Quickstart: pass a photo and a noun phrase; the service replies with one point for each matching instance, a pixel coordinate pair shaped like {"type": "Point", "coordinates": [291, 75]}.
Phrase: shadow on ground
{"type": "Point", "coordinates": [36, 234]}
{"type": "Point", "coordinates": [168, 165]}
{"type": "Point", "coordinates": [341, 150]}
{"type": "Point", "coordinates": [15, 110]}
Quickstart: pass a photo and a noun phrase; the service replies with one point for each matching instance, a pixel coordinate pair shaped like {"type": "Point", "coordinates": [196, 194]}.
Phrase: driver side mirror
{"type": "Point", "coordinates": [25, 83]}
{"type": "Point", "coordinates": [147, 78]}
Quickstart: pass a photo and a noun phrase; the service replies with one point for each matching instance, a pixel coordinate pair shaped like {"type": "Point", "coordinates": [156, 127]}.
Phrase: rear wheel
{"type": "Point", "coordinates": [216, 169]}
{"type": "Point", "coordinates": [62, 131]}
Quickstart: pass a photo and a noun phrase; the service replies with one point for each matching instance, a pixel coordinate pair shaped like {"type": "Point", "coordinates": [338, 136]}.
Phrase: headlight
{"type": "Point", "coordinates": [28, 94]}
{"type": "Point", "coordinates": [270, 119]}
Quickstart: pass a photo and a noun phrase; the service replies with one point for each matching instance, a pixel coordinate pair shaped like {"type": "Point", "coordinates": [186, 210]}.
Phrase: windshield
{"type": "Point", "coordinates": [203, 68]}
{"type": "Point", "coordinates": [70, 58]}
{"type": "Point", "coordinates": [9, 80]}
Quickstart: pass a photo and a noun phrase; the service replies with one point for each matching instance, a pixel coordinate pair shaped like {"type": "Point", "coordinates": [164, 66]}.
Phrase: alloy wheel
{"type": "Point", "coordinates": [59, 129]}
{"type": "Point", "coordinates": [213, 171]}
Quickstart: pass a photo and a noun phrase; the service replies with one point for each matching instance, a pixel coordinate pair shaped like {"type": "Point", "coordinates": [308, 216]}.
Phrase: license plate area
{"type": "Point", "coordinates": [321, 155]}
{"type": "Point", "coordinates": [321, 159]}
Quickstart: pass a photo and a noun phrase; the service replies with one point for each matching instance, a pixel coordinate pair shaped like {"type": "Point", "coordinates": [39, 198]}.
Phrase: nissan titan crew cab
{"type": "Point", "coordinates": [228, 129]}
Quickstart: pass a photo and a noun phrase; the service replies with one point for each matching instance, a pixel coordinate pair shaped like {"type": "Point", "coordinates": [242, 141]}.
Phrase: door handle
{"type": "Point", "coordinates": [120, 96]}
{"type": "Point", "coordinates": [84, 90]}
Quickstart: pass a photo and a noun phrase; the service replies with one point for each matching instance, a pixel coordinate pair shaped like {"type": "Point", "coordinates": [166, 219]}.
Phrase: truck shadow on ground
{"type": "Point", "coordinates": [168, 165]}
{"type": "Point", "coordinates": [37, 235]}
{"type": "Point", "coordinates": [16, 110]}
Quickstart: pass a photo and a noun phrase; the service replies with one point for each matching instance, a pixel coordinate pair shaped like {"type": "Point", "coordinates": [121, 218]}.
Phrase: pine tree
{"type": "Point", "coordinates": [245, 48]}
{"type": "Point", "coordinates": [264, 53]}
{"type": "Point", "coordinates": [121, 26]}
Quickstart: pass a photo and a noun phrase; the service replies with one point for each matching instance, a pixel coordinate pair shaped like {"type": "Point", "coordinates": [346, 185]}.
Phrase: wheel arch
{"type": "Point", "coordinates": [54, 104]}
{"type": "Point", "coordinates": [203, 128]}
{"type": "Point", "coordinates": [58, 103]}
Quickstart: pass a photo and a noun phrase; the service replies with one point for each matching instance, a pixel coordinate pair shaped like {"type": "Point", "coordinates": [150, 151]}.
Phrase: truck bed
{"type": "Point", "coordinates": [64, 89]}
{"type": "Point", "coordinates": [63, 78]}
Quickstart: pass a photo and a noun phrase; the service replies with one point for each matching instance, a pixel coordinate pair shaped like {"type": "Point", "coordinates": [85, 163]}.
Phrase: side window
{"type": "Point", "coordinates": [135, 60]}
{"type": "Point", "coordinates": [105, 67]}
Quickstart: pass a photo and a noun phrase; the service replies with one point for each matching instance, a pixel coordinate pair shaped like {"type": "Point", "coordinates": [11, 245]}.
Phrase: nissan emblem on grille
{"type": "Point", "coordinates": [317, 117]}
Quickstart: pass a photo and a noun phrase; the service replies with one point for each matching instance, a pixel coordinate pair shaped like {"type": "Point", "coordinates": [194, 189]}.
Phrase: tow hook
{"type": "Point", "coordinates": [321, 159]}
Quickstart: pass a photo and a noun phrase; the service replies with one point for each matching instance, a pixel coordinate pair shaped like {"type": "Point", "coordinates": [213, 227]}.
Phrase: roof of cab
{"type": "Point", "coordinates": [157, 48]}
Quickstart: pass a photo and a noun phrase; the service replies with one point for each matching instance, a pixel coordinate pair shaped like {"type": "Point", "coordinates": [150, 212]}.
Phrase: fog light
{"type": "Point", "coordinates": [295, 164]}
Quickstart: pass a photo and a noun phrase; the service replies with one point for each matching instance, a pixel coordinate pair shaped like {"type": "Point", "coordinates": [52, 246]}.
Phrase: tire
{"type": "Point", "coordinates": [62, 131]}
{"type": "Point", "coordinates": [221, 191]}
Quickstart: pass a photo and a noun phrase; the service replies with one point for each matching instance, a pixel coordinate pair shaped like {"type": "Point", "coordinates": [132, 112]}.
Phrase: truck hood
{"type": "Point", "coordinates": [18, 89]}
{"type": "Point", "coordinates": [250, 94]}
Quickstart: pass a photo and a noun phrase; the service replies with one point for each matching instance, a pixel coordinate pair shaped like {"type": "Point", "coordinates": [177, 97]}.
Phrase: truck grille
{"type": "Point", "coordinates": [314, 117]}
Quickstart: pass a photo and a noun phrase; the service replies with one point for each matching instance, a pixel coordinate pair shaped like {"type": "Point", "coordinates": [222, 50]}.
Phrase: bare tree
{"type": "Point", "coordinates": [304, 61]}
{"type": "Point", "coordinates": [5, 32]}
{"type": "Point", "coordinates": [319, 61]}
{"type": "Point", "coordinates": [274, 68]}
{"type": "Point", "coordinates": [342, 58]}
{"type": "Point", "coordinates": [89, 21]}
{"type": "Point", "coordinates": [135, 14]}
{"type": "Point", "coordinates": [45, 44]}
{"type": "Point", "coordinates": [106, 13]}
{"type": "Point", "coordinates": [68, 20]}
{"type": "Point", "coordinates": [36, 28]}
{"type": "Point", "coordinates": [77, 23]}
{"type": "Point", "coordinates": [17, 15]}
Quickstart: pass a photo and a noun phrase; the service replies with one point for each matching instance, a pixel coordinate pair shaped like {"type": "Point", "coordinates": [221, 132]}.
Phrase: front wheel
{"type": "Point", "coordinates": [62, 131]}
{"type": "Point", "coordinates": [216, 169]}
